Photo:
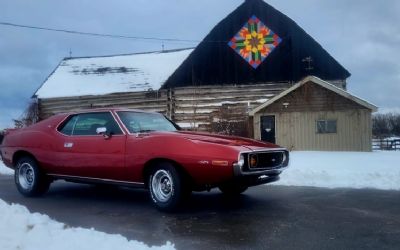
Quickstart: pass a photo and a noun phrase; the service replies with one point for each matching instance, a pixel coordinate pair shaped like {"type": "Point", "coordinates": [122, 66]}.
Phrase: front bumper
{"type": "Point", "coordinates": [238, 172]}
{"type": "Point", "coordinates": [253, 177]}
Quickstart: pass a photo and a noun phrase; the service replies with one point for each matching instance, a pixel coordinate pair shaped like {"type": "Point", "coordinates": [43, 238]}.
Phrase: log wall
{"type": "Point", "coordinates": [190, 107]}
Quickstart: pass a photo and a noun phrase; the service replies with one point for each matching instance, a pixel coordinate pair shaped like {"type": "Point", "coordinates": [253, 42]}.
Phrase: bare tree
{"type": "Point", "coordinates": [29, 117]}
{"type": "Point", "coordinates": [385, 125]}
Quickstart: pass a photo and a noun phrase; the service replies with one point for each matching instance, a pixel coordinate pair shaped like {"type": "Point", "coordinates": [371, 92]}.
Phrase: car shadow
{"type": "Point", "coordinates": [198, 202]}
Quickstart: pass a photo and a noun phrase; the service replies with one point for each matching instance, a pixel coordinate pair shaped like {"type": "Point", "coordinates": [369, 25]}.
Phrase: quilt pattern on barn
{"type": "Point", "coordinates": [254, 42]}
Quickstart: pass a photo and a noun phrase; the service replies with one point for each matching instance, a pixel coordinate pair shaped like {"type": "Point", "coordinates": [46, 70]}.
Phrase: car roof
{"type": "Point", "coordinates": [108, 110]}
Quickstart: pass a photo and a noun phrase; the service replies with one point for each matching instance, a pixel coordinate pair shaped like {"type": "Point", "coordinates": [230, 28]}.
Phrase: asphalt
{"type": "Point", "coordinates": [265, 217]}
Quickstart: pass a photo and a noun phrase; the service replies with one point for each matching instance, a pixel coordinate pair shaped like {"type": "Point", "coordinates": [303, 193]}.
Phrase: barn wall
{"type": "Point", "coordinates": [297, 112]}
{"type": "Point", "coordinates": [312, 97]}
{"type": "Point", "coordinates": [191, 107]}
{"type": "Point", "coordinates": [149, 101]}
{"type": "Point", "coordinates": [297, 130]}
{"type": "Point", "coordinates": [205, 104]}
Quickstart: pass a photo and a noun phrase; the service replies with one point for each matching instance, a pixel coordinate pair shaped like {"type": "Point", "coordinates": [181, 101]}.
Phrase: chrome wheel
{"type": "Point", "coordinates": [162, 185]}
{"type": "Point", "coordinates": [26, 176]}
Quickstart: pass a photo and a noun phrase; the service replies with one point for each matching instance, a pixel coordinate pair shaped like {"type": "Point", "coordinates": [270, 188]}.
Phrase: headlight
{"type": "Point", "coordinates": [240, 163]}
{"type": "Point", "coordinates": [253, 160]}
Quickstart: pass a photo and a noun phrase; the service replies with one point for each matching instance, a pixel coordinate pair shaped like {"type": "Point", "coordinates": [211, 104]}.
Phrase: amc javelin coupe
{"type": "Point", "coordinates": [137, 149]}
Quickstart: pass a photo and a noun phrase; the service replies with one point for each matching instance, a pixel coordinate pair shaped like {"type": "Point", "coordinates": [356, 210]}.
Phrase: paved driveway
{"type": "Point", "coordinates": [265, 217]}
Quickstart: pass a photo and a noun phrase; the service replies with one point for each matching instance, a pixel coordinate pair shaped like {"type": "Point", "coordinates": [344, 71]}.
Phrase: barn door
{"type": "Point", "coordinates": [268, 128]}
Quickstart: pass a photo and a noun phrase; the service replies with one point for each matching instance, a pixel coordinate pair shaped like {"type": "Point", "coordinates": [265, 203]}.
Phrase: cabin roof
{"type": "Point", "coordinates": [321, 83]}
{"type": "Point", "coordinates": [111, 74]}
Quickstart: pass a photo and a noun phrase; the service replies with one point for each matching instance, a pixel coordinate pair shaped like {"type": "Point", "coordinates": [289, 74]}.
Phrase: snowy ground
{"type": "Point", "coordinates": [4, 170]}
{"type": "Point", "coordinates": [379, 170]}
{"type": "Point", "coordinates": [22, 230]}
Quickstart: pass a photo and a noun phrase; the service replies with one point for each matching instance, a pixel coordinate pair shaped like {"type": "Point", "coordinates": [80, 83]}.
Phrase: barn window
{"type": "Point", "coordinates": [326, 126]}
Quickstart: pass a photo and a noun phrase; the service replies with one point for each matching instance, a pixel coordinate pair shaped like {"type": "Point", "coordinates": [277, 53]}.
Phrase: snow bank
{"type": "Point", "coordinates": [20, 229]}
{"type": "Point", "coordinates": [379, 170]}
{"type": "Point", "coordinates": [5, 170]}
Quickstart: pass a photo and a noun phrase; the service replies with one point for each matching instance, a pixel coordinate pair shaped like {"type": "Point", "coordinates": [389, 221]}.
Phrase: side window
{"type": "Point", "coordinates": [68, 126]}
{"type": "Point", "coordinates": [87, 124]}
{"type": "Point", "coordinates": [326, 126]}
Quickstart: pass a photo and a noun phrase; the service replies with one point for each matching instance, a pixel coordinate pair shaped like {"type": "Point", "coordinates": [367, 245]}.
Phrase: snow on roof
{"type": "Point", "coordinates": [111, 74]}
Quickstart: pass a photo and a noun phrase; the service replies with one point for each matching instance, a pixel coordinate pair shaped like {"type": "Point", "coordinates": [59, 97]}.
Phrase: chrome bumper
{"type": "Point", "coordinates": [244, 169]}
{"type": "Point", "coordinates": [237, 171]}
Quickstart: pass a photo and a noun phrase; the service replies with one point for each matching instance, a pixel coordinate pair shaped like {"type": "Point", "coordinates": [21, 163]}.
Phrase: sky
{"type": "Point", "coordinates": [364, 36]}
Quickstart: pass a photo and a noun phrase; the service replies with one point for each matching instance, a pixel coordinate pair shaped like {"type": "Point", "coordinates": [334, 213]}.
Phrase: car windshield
{"type": "Point", "coordinates": [137, 122]}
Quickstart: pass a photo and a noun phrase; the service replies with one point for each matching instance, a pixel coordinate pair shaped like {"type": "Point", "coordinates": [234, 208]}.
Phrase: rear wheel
{"type": "Point", "coordinates": [232, 189]}
{"type": "Point", "coordinates": [29, 179]}
{"type": "Point", "coordinates": [166, 187]}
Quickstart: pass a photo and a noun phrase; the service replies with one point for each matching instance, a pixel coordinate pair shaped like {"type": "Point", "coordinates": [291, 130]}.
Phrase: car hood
{"type": "Point", "coordinates": [234, 141]}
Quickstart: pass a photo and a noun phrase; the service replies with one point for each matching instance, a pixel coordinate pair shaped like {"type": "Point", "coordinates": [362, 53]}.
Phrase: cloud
{"type": "Point", "coordinates": [362, 35]}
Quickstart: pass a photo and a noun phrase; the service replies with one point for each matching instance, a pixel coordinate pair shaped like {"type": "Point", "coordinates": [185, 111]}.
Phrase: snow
{"type": "Point", "coordinates": [5, 170]}
{"type": "Point", "coordinates": [20, 229]}
{"type": "Point", "coordinates": [191, 124]}
{"type": "Point", "coordinates": [111, 74]}
{"type": "Point", "coordinates": [378, 170]}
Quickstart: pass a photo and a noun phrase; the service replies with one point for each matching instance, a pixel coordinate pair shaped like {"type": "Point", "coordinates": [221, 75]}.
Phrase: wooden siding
{"type": "Point", "coordinates": [296, 121]}
{"type": "Point", "coordinates": [312, 97]}
{"type": "Point", "coordinates": [216, 63]}
{"type": "Point", "coordinates": [202, 104]}
{"type": "Point", "coordinates": [149, 101]}
{"type": "Point", "coordinates": [297, 130]}
{"type": "Point", "coordinates": [195, 107]}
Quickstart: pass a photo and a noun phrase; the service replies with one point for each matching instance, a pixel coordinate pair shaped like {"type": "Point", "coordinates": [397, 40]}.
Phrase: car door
{"type": "Point", "coordinates": [85, 153]}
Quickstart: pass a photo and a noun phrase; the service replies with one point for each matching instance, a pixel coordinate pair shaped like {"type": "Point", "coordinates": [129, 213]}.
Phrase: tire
{"type": "Point", "coordinates": [29, 179]}
{"type": "Point", "coordinates": [232, 189]}
{"type": "Point", "coordinates": [166, 187]}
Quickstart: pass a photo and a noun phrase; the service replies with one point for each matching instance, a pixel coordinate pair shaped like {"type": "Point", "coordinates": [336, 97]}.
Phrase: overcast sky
{"type": "Point", "coordinates": [364, 36]}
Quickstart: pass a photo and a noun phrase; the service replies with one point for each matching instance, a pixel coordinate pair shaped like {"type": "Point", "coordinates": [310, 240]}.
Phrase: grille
{"type": "Point", "coordinates": [267, 160]}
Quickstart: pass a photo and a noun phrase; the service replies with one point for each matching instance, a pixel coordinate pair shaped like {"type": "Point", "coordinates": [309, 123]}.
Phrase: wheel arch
{"type": "Point", "coordinates": [151, 164]}
{"type": "Point", "coordinates": [22, 153]}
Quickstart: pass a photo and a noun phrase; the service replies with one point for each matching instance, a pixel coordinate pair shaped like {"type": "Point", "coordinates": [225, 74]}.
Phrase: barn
{"type": "Point", "coordinates": [243, 71]}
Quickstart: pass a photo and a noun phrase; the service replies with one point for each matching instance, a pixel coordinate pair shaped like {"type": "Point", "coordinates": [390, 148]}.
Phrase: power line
{"type": "Point", "coordinates": [74, 32]}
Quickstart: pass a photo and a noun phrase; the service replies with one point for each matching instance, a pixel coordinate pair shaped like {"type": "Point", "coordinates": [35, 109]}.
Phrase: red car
{"type": "Point", "coordinates": [137, 149]}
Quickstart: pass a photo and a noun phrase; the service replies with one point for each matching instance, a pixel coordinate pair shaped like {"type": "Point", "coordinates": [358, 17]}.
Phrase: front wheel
{"type": "Point", "coordinates": [166, 187]}
{"type": "Point", "coordinates": [29, 179]}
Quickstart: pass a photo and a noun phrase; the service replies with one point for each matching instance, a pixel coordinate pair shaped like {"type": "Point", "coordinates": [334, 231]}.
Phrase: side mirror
{"type": "Point", "coordinates": [103, 131]}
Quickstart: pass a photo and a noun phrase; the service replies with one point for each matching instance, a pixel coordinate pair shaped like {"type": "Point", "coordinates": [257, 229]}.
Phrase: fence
{"type": "Point", "coordinates": [386, 144]}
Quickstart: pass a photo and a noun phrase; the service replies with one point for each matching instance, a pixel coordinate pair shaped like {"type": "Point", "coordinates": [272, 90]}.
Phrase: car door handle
{"type": "Point", "coordinates": [68, 145]}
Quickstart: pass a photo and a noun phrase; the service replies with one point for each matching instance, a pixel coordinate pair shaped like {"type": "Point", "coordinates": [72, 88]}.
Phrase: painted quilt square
{"type": "Point", "coordinates": [254, 42]}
